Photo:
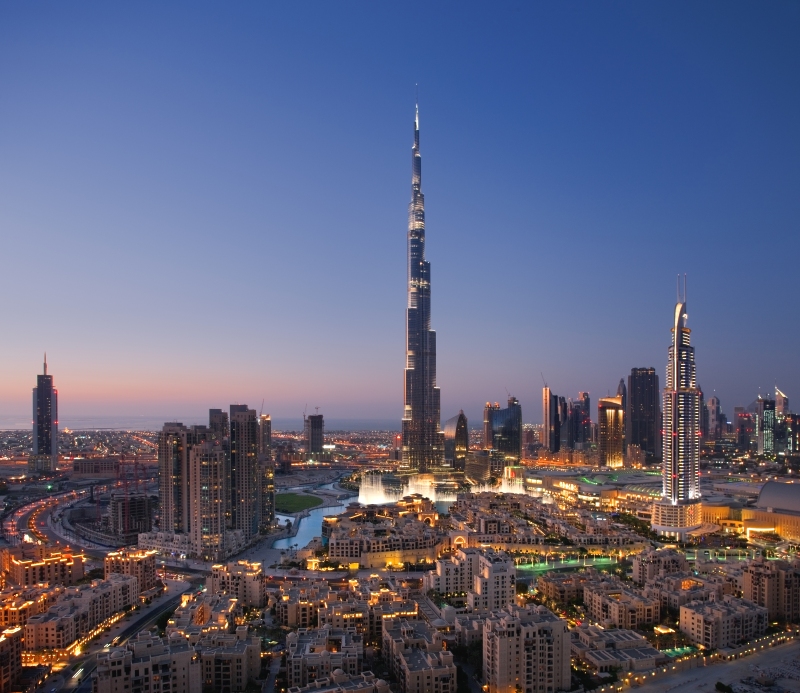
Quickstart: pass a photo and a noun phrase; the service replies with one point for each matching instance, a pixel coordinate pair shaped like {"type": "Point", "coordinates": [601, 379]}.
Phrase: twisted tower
{"type": "Point", "coordinates": [422, 440]}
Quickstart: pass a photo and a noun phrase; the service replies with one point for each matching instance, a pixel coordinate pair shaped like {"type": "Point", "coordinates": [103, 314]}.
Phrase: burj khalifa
{"type": "Point", "coordinates": [423, 442]}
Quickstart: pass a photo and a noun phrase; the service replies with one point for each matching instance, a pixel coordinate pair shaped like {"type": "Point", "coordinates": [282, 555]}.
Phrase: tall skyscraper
{"type": "Point", "coordinates": [781, 403]}
{"type": "Point", "coordinates": [716, 424]}
{"type": "Point", "coordinates": [505, 429]}
{"type": "Point", "coordinates": [218, 424]}
{"type": "Point", "coordinates": [551, 424]}
{"type": "Point", "coordinates": [456, 442]}
{"type": "Point", "coordinates": [678, 511]}
{"type": "Point", "coordinates": [422, 440]}
{"type": "Point", "coordinates": [315, 434]}
{"type": "Point", "coordinates": [643, 412]}
{"type": "Point", "coordinates": [45, 424]}
{"type": "Point", "coordinates": [207, 490]}
{"type": "Point", "coordinates": [267, 471]}
{"type": "Point", "coordinates": [610, 431]}
{"type": "Point", "coordinates": [765, 425]}
{"type": "Point", "coordinates": [245, 477]}
{"type": "Point", "coordinates": [175, 442]}
{"type": "Point", "coordinates": [622, 393]}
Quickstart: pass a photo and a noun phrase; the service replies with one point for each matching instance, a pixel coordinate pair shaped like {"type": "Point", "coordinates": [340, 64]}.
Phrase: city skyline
{"type": "Point", "coordinates": [582, 179]}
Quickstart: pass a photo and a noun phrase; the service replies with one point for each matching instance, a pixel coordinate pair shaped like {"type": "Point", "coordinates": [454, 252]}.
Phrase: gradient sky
{"type": "Point", "coordinates": [207, 203]}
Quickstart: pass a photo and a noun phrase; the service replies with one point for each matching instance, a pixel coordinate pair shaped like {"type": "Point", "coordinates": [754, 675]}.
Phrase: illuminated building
{"type": "Point", "coordinates": [781, 404]}
{"type": "Point", "coordinates": [765, 425]}
{"type": "Point", "coordinates": [678, 511]}
{"type": "Point", "coordinates": [526, 650]}
{"type": "Point", "coordinates": [314, 426]}
{"type": "Point", "coordinates": [245, 479]}
{"type": "Point", "coordinates": [723, 623]}
{"type": "Point", "coordinates": [266, 471]}
{"type": "Point", "coordinates": [317, 653]}
{"type": "Point", "coordinates": [174, 444]}
{"type": "Point", "coordinates": [456, 442]}
{"type": "Point", "coordinates": [622, 393]}
{"type": "Point", "coordinates": [503, 432]}
{"type": "Point", "coordinates": [643, 412]}
{"type": "Point", "coordinates": [243, 580]}
{"type": "Point", "coordinates": [776, 510]}
{"type": "Point", "coordinates": [611, 431]}
{"type": "Point", "coordinates": [551, 424]}
{"type": "Point", "coordinates": [422, 439]}
{"type": "Point", "coordinates": [11, 640]}
{"type": "Point", "coordinates": [45, 425]}
{"type": "Point", "coordinates": [32, 566]}
{"type": "Point", "coordinates": [142, 564]}
{"type": "Point", "coordinates": [207, 501]}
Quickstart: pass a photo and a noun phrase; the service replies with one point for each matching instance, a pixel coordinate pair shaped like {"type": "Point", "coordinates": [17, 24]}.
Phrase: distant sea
{"type": "Point", "coordinates": [154, 423]}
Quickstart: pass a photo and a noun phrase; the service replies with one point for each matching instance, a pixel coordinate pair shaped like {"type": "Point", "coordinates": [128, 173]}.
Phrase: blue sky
{"type": "Point", "coordinates": [207, 203]}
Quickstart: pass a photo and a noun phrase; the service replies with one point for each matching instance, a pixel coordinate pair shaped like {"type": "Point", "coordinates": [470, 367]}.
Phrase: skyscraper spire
{"type": "Point", "coordinates": [422, 438]}
{"type": "Point", "coordinates": [45, 363]}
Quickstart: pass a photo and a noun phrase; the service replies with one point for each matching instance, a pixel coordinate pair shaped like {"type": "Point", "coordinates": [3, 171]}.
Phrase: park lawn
{"type": "Point", "coordinates": [295, 502]}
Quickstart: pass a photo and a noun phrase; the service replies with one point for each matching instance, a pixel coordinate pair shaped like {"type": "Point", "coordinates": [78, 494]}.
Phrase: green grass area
{"type": "Point", "coordinates": [295, 502]}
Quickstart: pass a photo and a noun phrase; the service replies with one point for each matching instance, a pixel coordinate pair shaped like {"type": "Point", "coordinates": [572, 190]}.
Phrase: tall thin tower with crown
{"type": "Point", "coordinates": [678, 512]}
{"type": "Point", "coordinates": [44, 458]}
{"type": "Point", "coordinates": [423, 442]}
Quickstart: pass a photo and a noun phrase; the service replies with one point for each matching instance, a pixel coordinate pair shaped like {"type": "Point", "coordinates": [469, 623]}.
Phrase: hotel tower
{"type": "Point", "coordinates": [678, 511]}
{"type": "Point", "coordinates": [423, 442]}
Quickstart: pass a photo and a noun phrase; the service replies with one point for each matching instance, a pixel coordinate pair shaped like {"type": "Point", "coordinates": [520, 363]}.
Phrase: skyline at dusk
{"type": "Point", "coordinates": [206, 205]}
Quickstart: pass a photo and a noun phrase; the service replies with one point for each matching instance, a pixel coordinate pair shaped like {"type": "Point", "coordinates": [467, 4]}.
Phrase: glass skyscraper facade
{"type": "Point", "coordinates": [422, 438]}
{"type": "Point", "coordinates": [456, 442]}
{"type": "Point", "coordinates": [505, 426]}
{"type": "Point", "coordinates": [643, 412]}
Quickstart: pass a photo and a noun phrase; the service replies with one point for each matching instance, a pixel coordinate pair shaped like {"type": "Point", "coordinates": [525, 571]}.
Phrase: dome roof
{"type": "Point", "coordinates": [780, 496]}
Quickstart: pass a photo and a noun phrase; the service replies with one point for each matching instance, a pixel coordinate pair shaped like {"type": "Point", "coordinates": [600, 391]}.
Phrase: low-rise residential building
{"type": "Point", "coordinates": [611, 603]}
{"type": "Point", "coordinates": [562, 588]}
{"type": "Point", "coordinates": [339, 682]}
{"type": "Point", "coordinates": [614, 649]}
{"type": "Point", "coordinates": [725, 623]}
{"type": "Point", "coordinates": [240, 579]}
{"type": "Point", "coordinates": [37, 564]}
{"type": "Point", "coordinates": [526, 650]}
{"type": "Point", "coordinates": [136, 562]}
{"type": "Point", "coordinates": [316, 653]}
{"type": "Point", "coordinates": [228, 661]}
{"type": "Point", "coordinates": [203, 614]}
{"type": "Point", "coordinates": [78, 611]}
{"type": "Point", "coordinates": [673, 591]}
{"type": "Point", "coordinates": [774, 585]}
{"type": "Point", "coordinates": [17, 604]}
{"type": "Point", "coordinates": [10, 657]}
{"type": "Point", "coordinates": [656, 562]}
{"type": "Point", "coordinates": [296, 606]}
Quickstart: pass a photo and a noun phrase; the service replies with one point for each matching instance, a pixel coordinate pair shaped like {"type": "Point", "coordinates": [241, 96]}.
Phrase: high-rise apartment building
{"type": "Point", "coordinates": [207, 496]}
{"type": "Point", "coordinates": [45, 425]}
{"type": "Point", "coordinates": [175, 442]}
{"type": "Point", "coordinates": [678, 511]}
{"type": "Point", "coordinates": [611, 431]}
{"type": "Point", "coordinates": [245, 479]}
{"type": "Point", "coordinates": [265, 435]}
{"type": "Point", "coordinates": [643, 412]}
{"type": "Point", "coordinates": [423, 447]}
{"type": "Point", "coordinates": [551, 423]}
{"type": "Point", "coordinates": [765, 425]}
{"type": "Point", "coordinates": [218, 424]}
{"type": "Point", "coordinates": [716, 419]}
{"type": "Point", "coordinates": [314, 426]}
{"type": "Point", "coordinates": [456, 442]}
{"type": "Point", "coordinates": [503, 431]}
